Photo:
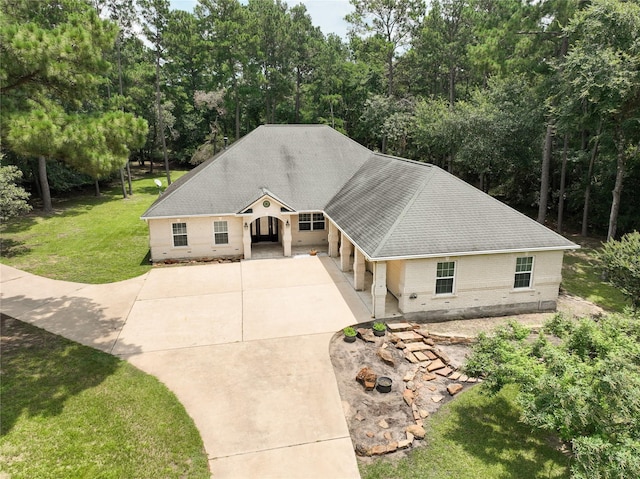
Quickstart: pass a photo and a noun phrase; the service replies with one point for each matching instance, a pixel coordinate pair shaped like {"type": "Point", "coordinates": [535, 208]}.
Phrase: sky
{"type": "Point", "coordinates": [326, 14]}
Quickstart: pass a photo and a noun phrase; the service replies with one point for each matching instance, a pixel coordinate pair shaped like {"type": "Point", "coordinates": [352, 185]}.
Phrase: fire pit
{"type": "Point", "coordinates": [384, 384]}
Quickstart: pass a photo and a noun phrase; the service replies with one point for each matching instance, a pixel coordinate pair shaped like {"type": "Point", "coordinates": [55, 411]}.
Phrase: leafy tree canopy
{"type": "Point", "coordinates": [621, 260]}
{"type": "Point", "coordinates": [13, 198]}
{"type": "Point", "coordinates": [578, 379]}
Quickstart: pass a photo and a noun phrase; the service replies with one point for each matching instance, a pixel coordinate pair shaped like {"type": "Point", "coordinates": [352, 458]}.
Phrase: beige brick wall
{"type": "Point", "coordinates": [395, 277]}
{"type": "Point", "coordinates": [308, 238]}
{"type": "Point", "coordinates": [199, 236]}
{"type": "Point", "coordinates": [481, 282]}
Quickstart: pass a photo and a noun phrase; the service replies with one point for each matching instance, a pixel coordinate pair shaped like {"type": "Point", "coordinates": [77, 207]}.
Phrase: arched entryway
{"type": "Point", "coordinates": [265, 230]}
{"type": "Point", "coordinates": [267, 237]}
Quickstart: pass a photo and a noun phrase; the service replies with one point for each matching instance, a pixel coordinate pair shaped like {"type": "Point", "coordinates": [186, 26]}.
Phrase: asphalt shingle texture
{"type": "Point", "coordinates": [390, 207]}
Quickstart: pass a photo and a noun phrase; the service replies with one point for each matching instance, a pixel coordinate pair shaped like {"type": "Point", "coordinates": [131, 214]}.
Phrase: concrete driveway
{"type": "Point", "coordinates": [244, 346]}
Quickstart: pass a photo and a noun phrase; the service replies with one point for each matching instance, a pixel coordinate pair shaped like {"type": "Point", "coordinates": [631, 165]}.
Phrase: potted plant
{"type": "Point", "coordinates": [379, 328]}
{"type": "Point", "coordinates": [349, 334]}
{"type": "Point", "coordinates": [313, 252]}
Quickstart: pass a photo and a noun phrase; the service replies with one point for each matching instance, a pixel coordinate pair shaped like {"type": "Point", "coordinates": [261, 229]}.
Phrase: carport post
{"type": "Point", "coordinates": [246, 240]}
{"type": "Point", "coordinates": [286, 238]}
{"type": "Point", "coordinates": [358, 269]}
{"type": "Point", "coordinates": [333, 240]}
{"type": "Point", "coordinates": [379, 289]}
{"type": "Point", "coordinates": [345, 254]}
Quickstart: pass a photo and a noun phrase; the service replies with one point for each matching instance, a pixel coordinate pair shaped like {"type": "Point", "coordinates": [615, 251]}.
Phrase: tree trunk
{"type": "Point", "coordinates": [161, 121]}
{"type": "Point", "coordinates": [452, 86]}
{"type": "Point", "coordinates": [298, 86]}
{"type": "Point", "coordinates": [129, 178]}
{"type": "Point", "coordinates": [122, 182]}
{"type": "Point", "coordinates": [333, 121]}
{"type": "Point", "coordinates": [587, 190]}
{"type": "Point", "coordinates": [544, 174]}
{"type": "Point", "coordinates": [236, 94]}
{"type": "Point", "coordinates": [617, 189]}
{"type": "Point", "coordinates": [563, 176]}
{"type": "Point", "coordinates": [118, 44]}
{"type": "Point", "coordinates": [391, 73]}
{"type": "Point", "coordinates": [121, 91]}
{"type": "Point", "coordinates": [97, 185]}
{"type": "Point", "coordinates": [44, 185]}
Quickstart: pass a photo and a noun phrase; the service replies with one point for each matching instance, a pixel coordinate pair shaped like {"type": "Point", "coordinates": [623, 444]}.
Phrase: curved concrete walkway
{"type": "Point", "coordinates": [244, 346]}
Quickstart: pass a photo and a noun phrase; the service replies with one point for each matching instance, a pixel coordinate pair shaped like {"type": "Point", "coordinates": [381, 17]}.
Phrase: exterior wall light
{"type": "Point", "coordinates": [246, 226]}
{"type": "Point", "coordinates": [287, 223]}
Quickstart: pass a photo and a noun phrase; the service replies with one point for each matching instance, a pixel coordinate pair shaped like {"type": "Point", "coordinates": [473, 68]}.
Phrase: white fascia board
{"type": "Point", "coordinates": [204, 215]}
{"type": "Point", "coordinates": [478, 253]}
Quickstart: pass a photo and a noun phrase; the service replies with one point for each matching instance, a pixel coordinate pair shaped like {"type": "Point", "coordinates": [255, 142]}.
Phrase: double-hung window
{"type": "Point", "coordinates": [179, 231]}
{"type": "Point", "coordinates": [524, 270]}
{"type": "Point", "coordinates": [311, 221]}
{"type": "Point", "coordinates": [445, 275]}
{"type": "Point", "coordinates": [220, 232]}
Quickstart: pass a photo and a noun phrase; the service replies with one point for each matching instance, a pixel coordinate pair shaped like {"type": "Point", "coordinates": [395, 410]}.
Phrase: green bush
{"type": "Point", "coordinates": [621, 262]}
{"type": "Point", "coordinates": [583, 385]}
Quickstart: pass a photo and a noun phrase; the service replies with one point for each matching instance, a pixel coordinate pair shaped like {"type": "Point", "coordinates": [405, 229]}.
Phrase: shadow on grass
{"type": "Point", "coordinates": [10, 248]}
{"type": "Point", "coordinates": [582, 277]}
{"type": "Point", "coordinates": [492, 432]}
{"type": "Point", "coordinates": [41, 370]}
{"type": "Point", "coordinates": [20, 223]}
{"type": "Point", "coordinates": [146, 261]}
{"type": "Point", "coordinates": [149, 190]}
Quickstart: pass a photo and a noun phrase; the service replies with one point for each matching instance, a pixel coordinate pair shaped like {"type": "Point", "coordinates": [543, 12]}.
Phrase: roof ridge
{"type": "Point", "coordinates": [402, 214]}
{"type": "Point", "coordinates": [405, 160]}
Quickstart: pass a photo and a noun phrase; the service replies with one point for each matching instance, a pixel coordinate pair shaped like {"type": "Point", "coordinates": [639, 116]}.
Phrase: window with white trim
{"type": "Point", "coordinates": [220, 232]}
{"type": "Point", "coordinates": [179, 231]}
{"type": "Point", "coordinates": [445, 274]}
{"type": "Point", "coordinates": [524, 270]}
{"type": "Point", "coordinates": [311, 221]}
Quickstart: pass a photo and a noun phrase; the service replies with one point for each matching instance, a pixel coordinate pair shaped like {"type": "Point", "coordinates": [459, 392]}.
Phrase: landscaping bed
{"type": "Point", "coordinates": [423, 371]}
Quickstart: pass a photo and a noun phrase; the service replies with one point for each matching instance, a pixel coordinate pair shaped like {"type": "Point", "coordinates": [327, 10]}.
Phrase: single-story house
{"type": "Point", "coordinates": [442, 247]}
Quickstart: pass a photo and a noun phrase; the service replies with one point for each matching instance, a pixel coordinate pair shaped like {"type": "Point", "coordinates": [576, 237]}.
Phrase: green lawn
{"type": "Point", "coordinates": [88, 239]}
{"type": "Point", "coordinates": [74, 412]}
{"type": "Point", "coordinates": [581, 277]}
{"type": "Point", "coordinates": [477, 437]}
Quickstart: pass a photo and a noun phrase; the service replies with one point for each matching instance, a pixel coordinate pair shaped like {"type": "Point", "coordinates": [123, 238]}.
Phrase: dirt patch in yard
{"type": "Point", "coordinates": [391, 422]}
{"type": "Point", "coordinates": [378, 421]}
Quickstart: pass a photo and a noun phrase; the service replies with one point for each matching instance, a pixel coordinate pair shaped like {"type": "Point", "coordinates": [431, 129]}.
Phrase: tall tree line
{"type": "Point", "coordinates": [535, 102]}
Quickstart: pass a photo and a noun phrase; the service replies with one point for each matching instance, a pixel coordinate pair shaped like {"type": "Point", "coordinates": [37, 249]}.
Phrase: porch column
{"type": "Point", "coordinates": [358, 270]}
{"type": "Point", "coordinates": [246, 239]}
{"type": "Point", "coordinates": [333, 240]}
{"type": "Point", "coordinates": [345, 254]}
{"type": "Point", "coordinates": [286, 237]}
{"type": "Point", "coordinates": [379, 289]}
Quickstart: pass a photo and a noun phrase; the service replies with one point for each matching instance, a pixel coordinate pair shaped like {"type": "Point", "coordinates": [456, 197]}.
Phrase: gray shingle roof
{"type": "Point", "coordinates": [390, 207]}
{"type": "Point", "coordinates": [399, 208]}
{"type": "Point", "coordinates": [304, 165]}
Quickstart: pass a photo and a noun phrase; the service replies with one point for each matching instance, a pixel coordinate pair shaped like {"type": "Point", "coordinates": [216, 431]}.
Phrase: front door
{"type": "Point", "coordinates": [264, 229]}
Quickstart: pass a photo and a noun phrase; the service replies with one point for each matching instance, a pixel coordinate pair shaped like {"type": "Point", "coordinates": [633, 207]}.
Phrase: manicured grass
{"type": "Point", "coordinates": [477, 437]}
{"type": "Point", "coordinates": [72, 411]}
{"type": "Point", "coordinates": [581, 277]}
{"type": "Point", "coordinates": [88, 239]}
